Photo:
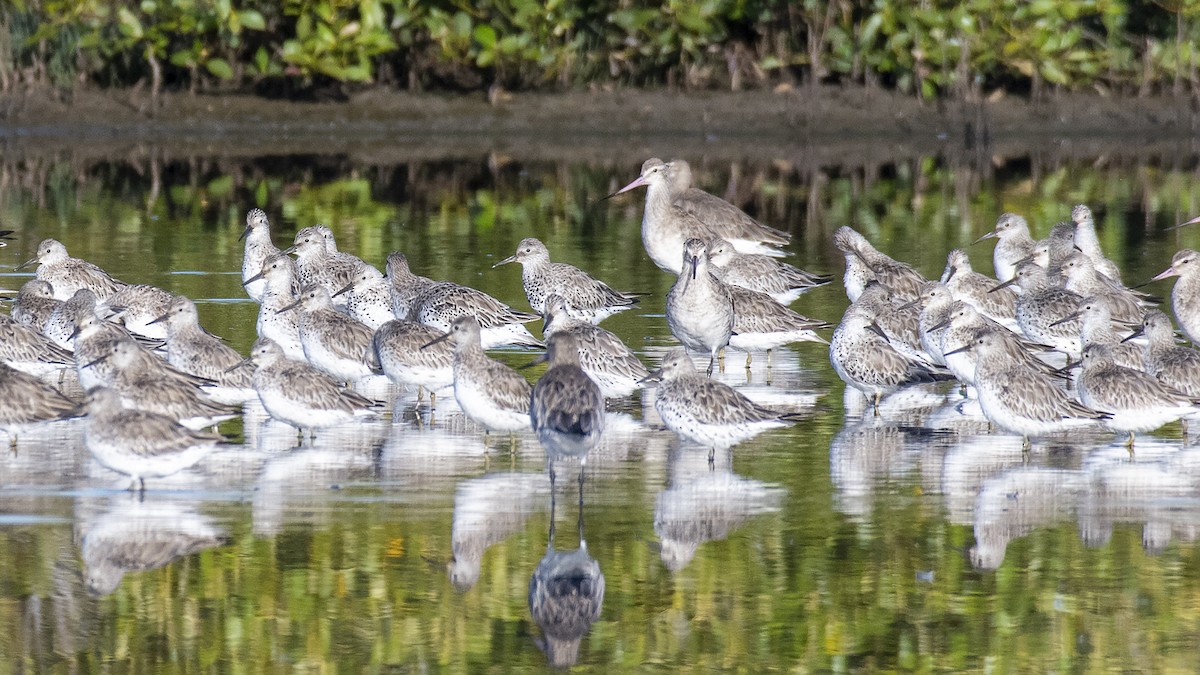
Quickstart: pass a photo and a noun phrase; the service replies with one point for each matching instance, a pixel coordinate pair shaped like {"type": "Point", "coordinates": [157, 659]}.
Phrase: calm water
{"type": "Point", "coordinates": [911, 540]}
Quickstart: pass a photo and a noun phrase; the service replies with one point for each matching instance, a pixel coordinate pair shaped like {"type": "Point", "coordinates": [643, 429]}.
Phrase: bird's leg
{"type": "Point", "coordinates": [750, 359]}
{"type": "Point", "coordinates": [711, 360]}
{"type": "Point", "coordinates": [1026, 446]}
{"type": "Point", "coordinates": [512, 444]}
{"type": "Point", "coordinates": [1129, 444]}
{"type": "Point", "coordinates": [721, 359]}
{"type": "Point", "coordinates": [1183, 423]}
{"type": "Point", "coordinates": [421, 393]}
{"type": "Point", "coordinates": [712, 459]}
{"type": "Point", "coordinates": [432, 399]}
{"type": "Point", "coordinates": [768, 360]}
{"type": "Point", "coordinates": [876, 406]}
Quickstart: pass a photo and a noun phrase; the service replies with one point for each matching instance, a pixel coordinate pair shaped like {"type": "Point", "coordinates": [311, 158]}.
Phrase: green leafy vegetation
{"type": "Point", "coordinates": [930, 49]}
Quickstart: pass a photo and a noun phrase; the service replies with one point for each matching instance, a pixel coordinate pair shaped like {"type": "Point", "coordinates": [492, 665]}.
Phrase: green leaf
{"type": "Point", "coordinates": [485, 35]}
{"type": "Point", "coordinates": [262, 60]}
{"type": "Point", "coordinates": [253, 19]}
{"type": "Point", "coordinates": [183, 58]}
{"type": "Point", "coordinates": [129, 24]}
{"type": "Point", "coordinates": [220, 68]}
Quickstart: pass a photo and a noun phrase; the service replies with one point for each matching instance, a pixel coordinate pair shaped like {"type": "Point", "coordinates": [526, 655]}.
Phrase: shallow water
{"type": "Point", "coordinates": [914, 539]}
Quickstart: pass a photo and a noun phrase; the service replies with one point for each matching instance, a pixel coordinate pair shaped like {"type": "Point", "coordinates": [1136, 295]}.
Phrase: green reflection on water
{"type": "Point", "coordinates": [813, 586]}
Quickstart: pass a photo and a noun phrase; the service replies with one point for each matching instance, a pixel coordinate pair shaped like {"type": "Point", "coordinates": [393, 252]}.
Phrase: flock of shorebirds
{"type": "Point", "coordinates": [155, 379]}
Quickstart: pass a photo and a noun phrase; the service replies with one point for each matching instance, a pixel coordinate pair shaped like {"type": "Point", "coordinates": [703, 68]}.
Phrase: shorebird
{"type": "Point", "coordinates": [29, 351]}
{"type": "Point", "coordinates": [566, 409]}
{"type": "Point", "coordinates": [783, 282]}
{"type": "Point", "coordinates": [1136, 400]}
{"type": "Point", "coordinates": [368, 297]}
{"type": "Point", "coordinates": [1080, 276]}
{"type": "Point", "coordinates": [279, 273]}
{"type": "Point", "coordinates": [704, 410]}
{"type": "Point", "coordinates": [193, 350]}
{"type": "Point", "coordinates": [1050, 253]}
{"type": "Point", "coordinates": [332, 341]}
{"type": "Point", "coordinates": [1015, 244]}
{"type": "Point", "coordinates": [1175, 366]}
{"type": "Point", "coordinates": [899, 321]}
{"type": "Point", "coordinates": [298, 394]}
{"type": "Point", "coordinates": [316, 265]}
{"type": "Point", "coordinates": [1087, 241]}
{"type": "Point", "coordinates": [587, 298]}
{"type": "Point", "coordinates": [136, 306]}
{"type": "Point", "coordinates": [862, 356]}
{"type": "Point", "coordinates": [935, 302]}
{"type": "Point", "coordinates": [726, 220]}
{"type": "Point", "coordinates": [1096, 328]}
{"type": "Point", "coordinates": [970, 286]}
{"type": "Point", "coordinates": [602, 355]}
{"type": "Point", "coordinates": [139, 443]}
{"type": "Point", "coordinates": [439, 303]}
{"type": "Point", "coordinates": [1185, 297]}
{"type": "Point", "coordinates": [489, 392]}
{"type": "Point", "coordinates": [259, 248]}
{"type": "Point", "coordinates": [699, 307]}
{"type": "Point", "coordinates": [760, 323]}
{"type": "Point", "coordinates": [566, 593]}
{"type": "Point", "coordinates": [666, 224]}
{"type": "Point", "coordinates": [1043, 308]}
{"type": "Point", "coordinates": [26, 401]}
{"type": "Point", "coordinates": [962, 328]}
{"type": "Point", "coordinates": [397, 347]}
{"type": "Point", "coordinates": [34, 304]}
{"type": "Point", "coordinates": [904, 281]}
{"type": "Point", "coordinates": [67, 275]}
{"type": "Point", "coordinates": [1020, 399]}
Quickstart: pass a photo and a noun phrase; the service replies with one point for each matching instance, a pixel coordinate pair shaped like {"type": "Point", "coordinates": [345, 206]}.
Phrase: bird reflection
{"type": "Point", "coordinates": [705, 504]}
{"type": "Point", "coordinates": [566, 593]}
{"type": "Point", "coordinates": [135, 535]}
{"type": "Point", "coordinates": [487, 511]}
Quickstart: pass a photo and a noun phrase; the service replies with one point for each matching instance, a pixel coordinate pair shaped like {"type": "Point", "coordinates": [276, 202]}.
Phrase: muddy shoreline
{"type": "Point", "coordinates": [822, 127]}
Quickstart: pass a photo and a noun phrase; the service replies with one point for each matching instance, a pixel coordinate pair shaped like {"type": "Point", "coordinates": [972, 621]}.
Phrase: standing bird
{"type": "Point", "coordinates": [1089, 243]}
{"type": "Point", "coordinates": [332, 341]}
{"type": "Point", "coordinates": [904, 281]}
{"type": "Point", "coordinates": [67, 275]}
{"type": "Point", "coordinates": [1175, 366]}
{"type": "Point", "coordinates": [29, 351]}
{"type": "Point", "coordinates": [970, 286]}
{"type": "Point", "coordinates": [762, 273]}
{"type": "Point", "coordinates": [1185, 297]}
{"type": "Point", "coordinates": [283, 328]}
{"type": "Point", "coordinates": [699, 307]}
{"type": "Point", "coordinates": [587, 298]}
{"type": "Point", "coordinates": [368, 297]}
{"type": "Point", "coordinates": [862, 356]}
{"type": "Point", "coordinates": [1080, 276]}
{"type": "Point", "coordinates": [1015, 244]}
{"type": "Point", "coordinates": [193, 350]}
{"type": "Point", "coordinates": [1043, 309]}
{"type": "Point", "coordinates": [666, 224]}
{"type": "Point", "coordinates": [397, 348]}
{"type": "Point", "coordinates": [316, 265]}
{"type": "Point", "coordinates": [611, 365]}
{"type": "Point", "coordinates": [26, 401]}
{"type": "Point", "coordinates": [566, 409]}
{"type": "Point", "coordinates": [1137, 401]}
{"type": "Point", "coordinates": [34, 304]}
{"type": "Point", "coordinates": [139, 443]}
{"type": "Point", "coordinates": [489, 392]}
{"type": "Point", "coordinates": [259, 248]}
{"type": "Point", "coordinates": [760, 323]}
{"type": "Point", "coordinates": [704, 410]}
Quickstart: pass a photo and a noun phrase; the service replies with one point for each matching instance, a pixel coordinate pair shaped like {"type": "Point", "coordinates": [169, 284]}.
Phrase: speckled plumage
{"type": "Point", "coordinates": [489, 392]}
{"type": "Point", "coordinates": [970, 286]}
{"type": "Point", "coordinates": [279, 273]}
{"type": "Point", "coordinates": [699, 307]}
{"type": "Point", "coordinates": [866, 360]}
{"type": "Point", "coordinates": [193, 350]}
{"type": "Point", "coordinates": [316, 265]}
{"type": "Point", "coordinates": [398, 350]}
{"type": "Point", "coordinates": [67, 275]}
{"type": "Point", "coordinates": [757, 272]}
{"type": "Point", "coordinates": [29, 351]}
{"type": "Point", "coordinates": [760, 323]}
{"type": "Point", "coordinates": [34, 304]}
{"type": "Point", "coordinates": [298, 394]}
{"type": "Point", "coordinates": [587, 298]}
{"type": "Point", "coordinates": [136, 307]}
{"type": "Point", "coordinates": [1175, 366]}
{"type": "Point", "coordinates": [367, 297]}
{"type": "Point", "coordinates": [1137, 401]}
{"type": "Point", "coordinates": [1015, 244]}
{"type": "Point", "coordinates": [26, 401]}
{"type": "Point", "coordinates": [259, 248]}
{"type": "Point", "coordinates": [904, 281]}
{"type": "Point", "coordinates": [332, 341]}
{"type": "Point", "coordinates": [602, 355]}
{"type": "Point", "coordinates": [1042, 308]}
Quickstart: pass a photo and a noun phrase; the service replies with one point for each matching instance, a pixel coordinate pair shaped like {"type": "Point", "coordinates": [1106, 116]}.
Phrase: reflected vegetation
{"type": "Point", "coordinates": [911, 539]}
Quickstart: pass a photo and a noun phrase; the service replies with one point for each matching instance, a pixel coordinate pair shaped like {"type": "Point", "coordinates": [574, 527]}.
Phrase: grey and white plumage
{"type": "Point", "coordinates": [699, 306]}
{"type": "Point", "coordinates": [762, 273]}
{"type": "Point", "coordinates": [367, 297]}
{"type": "Point", "coordinates": [489, 392]}
{"type": "Point", "coordinates": [279, 274]}
{"type": "Point", "coordinates": [726, 220]}
{"type": "Point", "coordinates": [668, 223]}
{"type": "Point", "coordinates": [1080, 276]}
{"type": "Point", "coordinates": [904, 281]}
{"type": "Point", "coordinates": [1096, 328]}
{"type": "Point", "coordinates": [397, 346]}
{"type": "Point", "coordinates": [135, 307]}
{"type": "Point", "coordinates": [899, 321]}
{"type": "Point", "coordinates": [1086, 239]}
{"type": "Point", "coordinates": [970, 286]}
{"type": "Point", "coordinates": [315, 264]}
{"type": "Point", "coordinates": [1019, 398]}
{"type": "Point", "coordinates": [26, 401]}
{"type": "Point", "coordinates": [439, 303]}
{"type": "Point", "coordinates": [141, 385]}
{"type": "Point", "coordinates": [298, 394]}
{"type": "Point", "coordinates": [587, 298]}
{"type": "Point", "coordinates": [332, 341]}
{"type": "Point", "coordinates": [34, 304]}
{"type": "Point", "coordinates": [1136, 400]}
{"type": "Point", "coordinates": [760, 323]}
{"type": "Point", "coordinates": [566, 593]}
{"type": "Point", "coordinates": [1185, 296]}
{"type": "Point", "coordinates": [259, 248]}
{"type": "Point", "coordinates": [963, 326]}
{"type": "Point", "coordinates": [566, 408]}
{"type": "Point", "coordinates": [140, 443]}
{"type": "Point", "coordinates": [602, 355]}
{"type": "Point", "coordinates": [1015, 244]}
{"type": "Point", "coordinates": [1053, 251]}
{"type": "Point", "coordinates": [867, 361]}
{"type": "Point", "coordinates": [29, 351]}
{"type": "Point", "coordinates": [67, 275]}
{"type": "Point", "coordinates": [935, 303]}
{"type": "Point", "coordinates": [704, 410]}
{"type": "Point", "coordinates": [60, 326]}
{"type": "Point", "coordinates": [1175, 366]}
{"type": "Point", "coordinates": [193, 350]}
{"type": "Point", "coordinates": [1043, 307]}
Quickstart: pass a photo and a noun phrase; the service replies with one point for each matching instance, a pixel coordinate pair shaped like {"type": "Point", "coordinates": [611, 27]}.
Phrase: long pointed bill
{"type": "Point", "coordinates": [950, 275]}
{"type": "Point", "coordinates": [910, 304]}
{"type": "Point", "coordinates": [989, 235]}
{"type": "Point", "coordinates": [289, 250]}
{"type": "Point", "coordinates": [654, 376]}
{"type": "Point", "coordinates": [1071, 365]}
{"type": "Point", "coordinates": [240, 364]}
{"type": "Point", "coordinates": [74, 334]}
{"type": "Point", "coordinates": [253, 279]}
{"type": "Point", "coordinates": [874, 328]}
{"type": "Point", "coordinates": [159, 319]}
{"type": "Point", "coordinates": [509, 259]}
{"type": "Point", "coordinates": [289, 308]}
{"type": "Point", "coordinates": [960, 350]}
{"type": "Point", "coordinates": [938, 326]}
{"type": "Point", "coordinates": [1005, 284]}
{"type": "Point", "coordinates": [344, 289]}
{"type": "Point", "coordinates": [25, 264]}
{"type": "Point", "coordinates": [695, 264]}
{"type": "Point", "coordinates": [637, 183]}
{"type": "Point", "coordinates": [541, 359]}
{"type": "Point", "coordinates": [245, 233]}
{"type": "Point", "coordinates": [1066, 319]}
{"type": "Point", "coordinates": [436, 340]}
{"type": "Point", "coordinates": [1167, 273]}
{"type": "Point", "coordinates": [1193, 221]}
{"type": "Point", "coordinates": [1135, 334]}
{"type": "Point", "coordinates": [93, 362]}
